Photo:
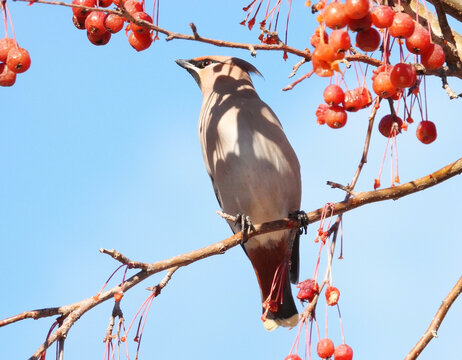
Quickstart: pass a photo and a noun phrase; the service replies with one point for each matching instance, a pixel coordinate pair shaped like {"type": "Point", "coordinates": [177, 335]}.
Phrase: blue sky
{"type": "Point", "coordinates": [99, 148]}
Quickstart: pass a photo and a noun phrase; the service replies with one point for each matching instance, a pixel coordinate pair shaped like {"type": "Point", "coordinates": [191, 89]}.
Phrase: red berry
{"type": "Point", "coordinates": [114, 23]}
{"type": "Point", "coordinates": [6, 44]}
{"type": "Point", "coordinates": [333, 95]}
{"type": "Point", "coordinates": [368, 40]}
{"type": "Point", "coordinates": [426, 131]}
{"type": "Point", "coordinates": [336, 117]}
{"type": "Point", "coordinates": [382, 16]}
{"type": "Point", "coordinates": [433, 58]}
{"type": "Point", "coordinates": [18, 60]}
{"type": "Point", "coordinates": [293, 357]}
{"type": "Point", "coordinates": [133, 6]}
{"type": "Point", "coordinates": [140, 41]}
{"type": "Point", "coordinates": [343, 352]}
{"type": "Point", "coordinates": [99, 39]}
{"type": "Point", "coordinates": [7, 76]}
{"type": "Point", "coordinates": [390, 125]}
{"type": "Point", "coordinates": [340, 40]}
{"type": "Point", "coordinates": [82, 12]}
{"type": "Point", "coordinates": [419, 41]}
{"type": "Point", "coordinates": [382, 85]}
{"type": "Point", "coordinates": [402, 26]}
{"type": "Point", "coordinates": [105, 3]}
{"type": "Point", "coordinates": [320, 112]}
{"type": "Point", "coordinates": [362, 24]}
{"type": "Point", "coordinates": [308, 288]}
{"type": "Point", "coordinates": [94, 23]}
{"type": "Point", "coordinates": [315, 39]}
{"type": "Point", "coordinates": [332, 295]}
{"type": "Point", "coordinates": [325, 348]}
{"type": "Point", "coordinates": [325, 52]}
{"type": "Point", "coordinates": [403, 75]}
{"type": "Point", "coordinates": [141, 15]}
{"type": "Point", "coordinates": [79, 21]}
{"type": "Point", "coordinates": [335, 16]}
{"type": "Point", "coordinates": [356, 9]}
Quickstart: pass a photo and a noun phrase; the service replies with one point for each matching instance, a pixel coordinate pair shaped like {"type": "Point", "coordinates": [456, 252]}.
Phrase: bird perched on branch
{"type": "Point", "coordinates": [255, 173]}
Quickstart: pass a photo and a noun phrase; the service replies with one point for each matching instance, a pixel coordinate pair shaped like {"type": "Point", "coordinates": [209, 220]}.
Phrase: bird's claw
{"type": "Point", "coordinates": [245, 224]}
{"type": "Point", "coordinates": [301, 217]}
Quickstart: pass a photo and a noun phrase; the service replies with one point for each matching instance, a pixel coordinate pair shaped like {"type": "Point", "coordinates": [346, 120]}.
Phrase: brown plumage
{"type": "Point", "coordinates": [253, 168]}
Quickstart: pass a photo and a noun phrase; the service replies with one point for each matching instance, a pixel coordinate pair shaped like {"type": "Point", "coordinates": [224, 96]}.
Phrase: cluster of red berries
{"type": "Point", "coordinates": [374, 26]}
{"type": "Point", "coordinates": [326, 350]}
{"type": "Point", "coordinates": [13, 60]}
{"type": "Point", "coordinates": [100, 25]}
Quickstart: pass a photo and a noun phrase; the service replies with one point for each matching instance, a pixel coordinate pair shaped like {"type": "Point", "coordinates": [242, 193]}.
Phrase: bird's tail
{"type": "Point", "coordinates": [271, 264]}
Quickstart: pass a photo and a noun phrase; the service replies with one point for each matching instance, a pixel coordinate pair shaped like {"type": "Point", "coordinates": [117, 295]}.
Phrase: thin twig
{"type": "Point", "coordinates": [436, 322]}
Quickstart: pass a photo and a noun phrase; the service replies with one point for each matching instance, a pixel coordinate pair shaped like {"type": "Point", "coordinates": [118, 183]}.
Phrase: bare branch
{"type": "Point", "coordinates": [436, 322]}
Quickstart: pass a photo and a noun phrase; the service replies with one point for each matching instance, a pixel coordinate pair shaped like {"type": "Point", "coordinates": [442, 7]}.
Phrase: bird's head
{"type": "Point", "coordinates": [208, 70]}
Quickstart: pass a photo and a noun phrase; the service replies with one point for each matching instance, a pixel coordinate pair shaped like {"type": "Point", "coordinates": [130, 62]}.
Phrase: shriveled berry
{"type": "Point", "coordinates": [382, 16]}
{"type": "Point", "coordinates": [18, 60]}
{"type": "Point", "coordinates": [6, 44]}
{"type": "Point", "coordinates": [7, 76]}
{"type": "Point", "coordinates": [335, 16]}
{"type": "Point", "coordinates": [434, 57]}
{"type": "Point", "coordinates": [390, 125]}
{"type": "Point", "coordinates": [332, 295]}
{"type": "Point", "coordinates": [99, 39]}
{"type": "Point", "coordinates": [94, 23]}
{"type": "Point", "coordinates": [368, 40]}
{"type": "Point", "coordinates": [343, 352]}
{"type": "Point", "coordinates": [336, 117]}
{"type": "Point", "coordinates": [325, 348]}
{"type": "Point", "coordinates": [139, 28]}
{"type": "Point", "coordinates": [320, 112]}
{"type": "Point", "coordinates": [317, 39]}
{"type": "Point", "coordinates": [308, 289]}
{"type": "Point", "coordinates": [140, 41]}
{"type": "Point", "coordinates": [114, 23]}
{"type": "Point", "coordinates": [426, 132]}
{"type": "Point", "coordinates": [402, 26]}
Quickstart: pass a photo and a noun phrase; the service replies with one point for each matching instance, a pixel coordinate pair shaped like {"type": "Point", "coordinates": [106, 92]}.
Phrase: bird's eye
{"type": "Point", "coordinates": [204, 63]}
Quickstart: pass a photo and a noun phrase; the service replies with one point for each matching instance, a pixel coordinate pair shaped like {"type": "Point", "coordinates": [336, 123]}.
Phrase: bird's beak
{"type": "Point", "coordinates": [185, 64]}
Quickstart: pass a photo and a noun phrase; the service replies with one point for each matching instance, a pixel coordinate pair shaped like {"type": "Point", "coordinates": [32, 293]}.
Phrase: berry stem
{"type": "Point", "coordinates": [5, 6]}
{"type": "Point", "coordinates": [341, 323]}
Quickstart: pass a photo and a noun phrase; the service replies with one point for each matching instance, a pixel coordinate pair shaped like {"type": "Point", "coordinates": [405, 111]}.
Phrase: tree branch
{"type": "Point", "coordinates": [71, 313]}
{"type": "Point", "coordinates": [436, 322]}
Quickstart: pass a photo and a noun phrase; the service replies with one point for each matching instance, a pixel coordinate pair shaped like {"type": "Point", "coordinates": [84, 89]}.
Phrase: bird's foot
{"type": "Point", "coordinates": [245, 224]}
{"type": "Point", "coordinates": [301, 217]}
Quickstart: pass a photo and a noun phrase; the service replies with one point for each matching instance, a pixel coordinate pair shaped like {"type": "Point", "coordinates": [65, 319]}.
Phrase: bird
{"type": "Point", "coordinates": [255, 174]}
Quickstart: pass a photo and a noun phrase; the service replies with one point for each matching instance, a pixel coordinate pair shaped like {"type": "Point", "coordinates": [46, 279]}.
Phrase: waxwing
{"type": "Point", "coordinates": [254, 171]}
